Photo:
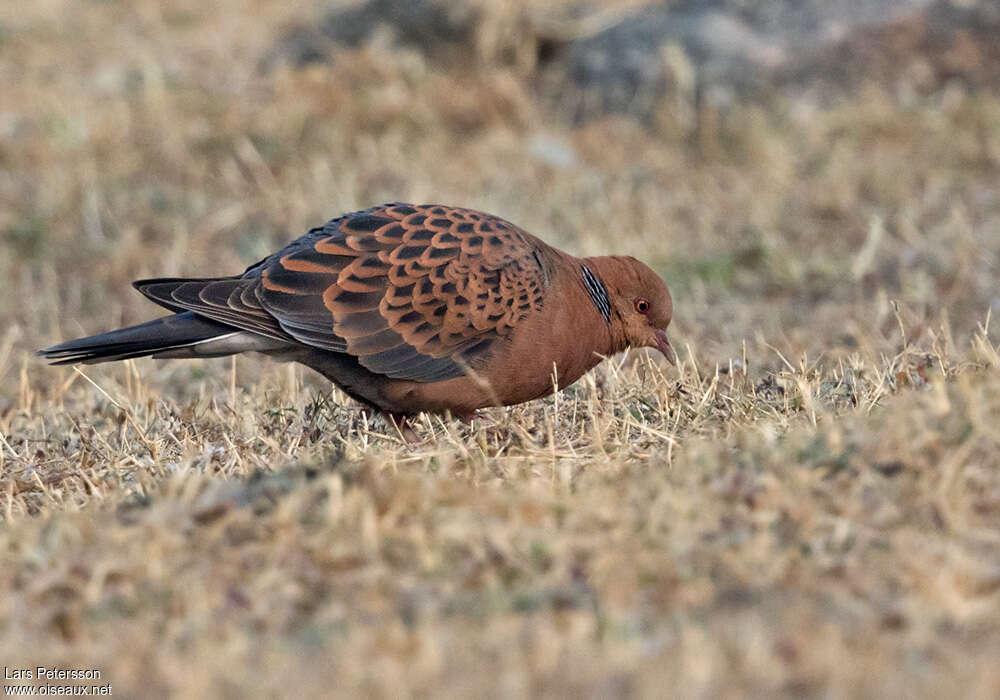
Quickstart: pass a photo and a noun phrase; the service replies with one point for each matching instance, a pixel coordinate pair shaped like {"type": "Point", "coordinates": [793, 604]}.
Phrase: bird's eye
{"type": "Point", "coordinates": [641, 305]}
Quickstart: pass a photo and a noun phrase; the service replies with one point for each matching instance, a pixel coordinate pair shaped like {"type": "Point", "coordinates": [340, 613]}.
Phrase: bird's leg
{"type": "Point", "coordinates": [401, 422]}
{"type": "Point", "coordinates": [478, 419]}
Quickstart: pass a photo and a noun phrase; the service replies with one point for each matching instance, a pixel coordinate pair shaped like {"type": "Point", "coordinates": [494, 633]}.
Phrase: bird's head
{"type": "Point", "coordinates": [641, 306]}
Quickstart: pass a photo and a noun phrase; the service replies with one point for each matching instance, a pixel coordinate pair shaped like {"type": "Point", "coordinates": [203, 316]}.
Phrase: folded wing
{"type": "Point", "coordinates": [414, 292]}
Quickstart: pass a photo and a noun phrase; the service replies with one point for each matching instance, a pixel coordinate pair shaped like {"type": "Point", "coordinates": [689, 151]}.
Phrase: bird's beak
{"type": "Point", "coordinates": [664, 346]}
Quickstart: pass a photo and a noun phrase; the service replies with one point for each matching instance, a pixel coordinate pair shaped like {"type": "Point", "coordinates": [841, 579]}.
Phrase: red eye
{"type": "Point", "coordinates": [641, 305]}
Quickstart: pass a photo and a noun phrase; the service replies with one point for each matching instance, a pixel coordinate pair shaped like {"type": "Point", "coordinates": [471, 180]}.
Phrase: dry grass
{"type": "Point", "coordinates": [809, 505]}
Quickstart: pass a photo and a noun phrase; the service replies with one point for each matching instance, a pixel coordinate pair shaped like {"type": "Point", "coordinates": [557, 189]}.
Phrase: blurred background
{"type": "Point", "coordinates": [817, 181]}
{"type": "Point", "coordinates": [790, 167]}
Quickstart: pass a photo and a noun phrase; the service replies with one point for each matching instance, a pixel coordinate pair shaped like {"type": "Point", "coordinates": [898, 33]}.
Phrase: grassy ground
{"type": "Point", "coordinates": [808, 505]}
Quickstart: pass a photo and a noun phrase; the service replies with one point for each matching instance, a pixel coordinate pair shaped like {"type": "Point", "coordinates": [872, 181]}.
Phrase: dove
{"type": "Point", "coordinates": [409, 308]}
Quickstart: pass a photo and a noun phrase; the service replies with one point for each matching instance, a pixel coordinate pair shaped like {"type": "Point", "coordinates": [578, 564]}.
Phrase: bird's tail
{"type": "Point", "coordinates": [180, 335]}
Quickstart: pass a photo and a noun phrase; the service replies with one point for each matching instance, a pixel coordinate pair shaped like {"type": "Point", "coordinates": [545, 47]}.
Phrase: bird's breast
{"type": "Point", "coordinates": [553, 348]}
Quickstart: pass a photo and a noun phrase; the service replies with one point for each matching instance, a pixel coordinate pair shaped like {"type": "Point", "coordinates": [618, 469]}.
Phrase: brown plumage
{"type": "Point", "coordinates": [410, 308]}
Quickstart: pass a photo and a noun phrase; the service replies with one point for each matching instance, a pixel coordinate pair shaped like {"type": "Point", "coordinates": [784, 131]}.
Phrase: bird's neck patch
{"type": "Point", "coordinates": [598, 293]}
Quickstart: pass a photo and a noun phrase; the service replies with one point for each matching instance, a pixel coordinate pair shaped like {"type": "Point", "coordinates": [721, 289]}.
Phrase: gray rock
{"type": "Point", "coordinates": [691, 51]}
{"type": "Point", "coordinates": [439, 29]}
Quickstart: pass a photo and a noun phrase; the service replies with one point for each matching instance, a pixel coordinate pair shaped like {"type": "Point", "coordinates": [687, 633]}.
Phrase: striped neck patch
{"type": "Point", "coordinates": [598, 293]}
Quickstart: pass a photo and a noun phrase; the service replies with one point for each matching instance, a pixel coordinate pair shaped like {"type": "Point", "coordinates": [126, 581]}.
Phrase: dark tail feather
{"type": "Point", "coordinates": [158, 336]}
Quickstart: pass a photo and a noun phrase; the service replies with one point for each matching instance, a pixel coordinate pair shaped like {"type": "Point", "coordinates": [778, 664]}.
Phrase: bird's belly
{"type": "Point", "coordinates": [463, 395]}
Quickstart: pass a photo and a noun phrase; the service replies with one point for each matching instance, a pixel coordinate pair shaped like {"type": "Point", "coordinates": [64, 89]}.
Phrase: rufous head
{"type": "Point", "coordinates": [641, 303]}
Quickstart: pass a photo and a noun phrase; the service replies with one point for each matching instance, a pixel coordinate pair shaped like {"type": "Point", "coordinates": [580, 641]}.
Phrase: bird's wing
{"type": "Point", "coordinates": [229, 300]}
{"type": "Point", "coordinates": [414, 292]}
